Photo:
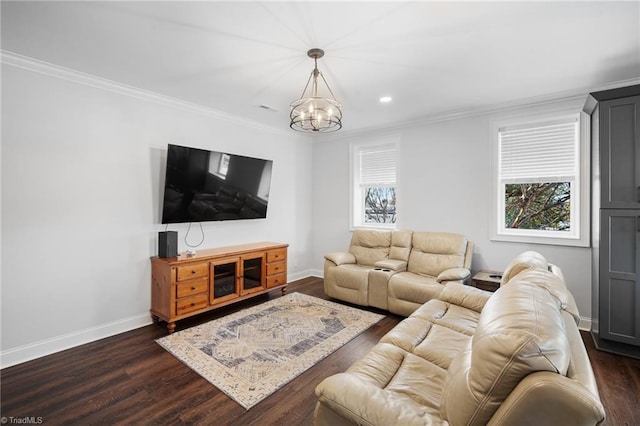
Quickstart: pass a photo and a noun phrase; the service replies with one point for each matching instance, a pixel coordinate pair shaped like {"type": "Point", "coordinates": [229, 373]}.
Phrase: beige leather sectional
{"type": "Point", "coordinates": [470, 357]}
{"type": "Point", "coordinates": [397, 270]}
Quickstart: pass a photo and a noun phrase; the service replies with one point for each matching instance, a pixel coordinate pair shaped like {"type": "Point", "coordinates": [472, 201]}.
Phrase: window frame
{"type": "Point", "coordinates": [580, 186]}
{"type": "Point", "coordinates": [357, 195]}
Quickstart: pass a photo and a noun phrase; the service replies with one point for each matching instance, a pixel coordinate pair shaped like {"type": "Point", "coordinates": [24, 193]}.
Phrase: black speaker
{"type": "Point", "coordinates": [168, 244]}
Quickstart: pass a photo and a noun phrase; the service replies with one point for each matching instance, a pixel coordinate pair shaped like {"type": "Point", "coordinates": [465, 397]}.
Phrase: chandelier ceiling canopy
{"type": "Point", "coordinates": [311, 112]}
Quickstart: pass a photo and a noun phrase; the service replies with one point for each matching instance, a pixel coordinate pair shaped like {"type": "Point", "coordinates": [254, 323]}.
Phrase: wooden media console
{"type": "Point", "coordinates": [187, 285]}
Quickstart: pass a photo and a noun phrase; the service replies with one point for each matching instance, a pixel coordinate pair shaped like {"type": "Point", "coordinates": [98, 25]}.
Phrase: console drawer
{"type": "Point", "coordinates": [191, 287]}
{"type": "Point", "coordinates": [276, 268]}
{"type": "Point", "coordinates": [276, 280]}
{"type": "Point", "coordinates": [192, 303]}
{"type": "Point", "coordinates": [276, 255]}
{"type": "Point", "coordinates": [195, 270]}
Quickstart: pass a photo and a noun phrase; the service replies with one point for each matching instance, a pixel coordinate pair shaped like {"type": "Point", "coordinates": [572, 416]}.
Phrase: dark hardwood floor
{"type": "Point", "coordinates": [130, 379]}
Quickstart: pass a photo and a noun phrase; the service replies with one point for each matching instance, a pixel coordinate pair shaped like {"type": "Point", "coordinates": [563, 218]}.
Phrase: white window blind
{"type": "Point", "coordinates": [377, 165]}
{"type": "Point", "coordinates": [544, 152]}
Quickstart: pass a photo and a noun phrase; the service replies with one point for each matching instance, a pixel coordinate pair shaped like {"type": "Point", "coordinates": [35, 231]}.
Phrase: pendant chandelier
{"type": "Point", "coordinates": [312, 113]}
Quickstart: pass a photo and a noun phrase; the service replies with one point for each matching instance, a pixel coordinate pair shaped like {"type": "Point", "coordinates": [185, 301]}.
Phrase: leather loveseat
{"type": "Point", "coordinates": [470, 357]}
{"type": "Point", "coordinates": [396, 270]}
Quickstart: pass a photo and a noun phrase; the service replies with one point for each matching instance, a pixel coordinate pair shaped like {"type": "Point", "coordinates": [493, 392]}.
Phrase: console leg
{"type": "Point", "coordinates": [155, 318]}
{"type": "Point", "coordinates": [171, 327]}
{"type": "Point", "coordinates": [284, 290]}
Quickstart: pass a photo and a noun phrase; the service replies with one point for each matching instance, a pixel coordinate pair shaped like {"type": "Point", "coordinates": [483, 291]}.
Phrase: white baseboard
{"type": "Point", "coordinates": [52, 345]}
{"type": "Point", "coordinates": [45, 347]}
{"type": "Point", "coordinates": [304, 274]}
{"type": "Point", "coordinates": [585, 324]}
{"type": "Point", "coordinates": [315, 273]}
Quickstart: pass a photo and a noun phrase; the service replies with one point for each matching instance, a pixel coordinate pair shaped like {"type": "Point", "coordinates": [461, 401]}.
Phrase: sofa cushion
{"type": "Point", "coordinates": [522, 262]}
{"type": "Point", "coordinates": [465, 296]}
{"type": "Point", "coordinates": [369, 246]}
{"type": "Point", "coordinates": [453, 274]}
{"type": "Point", "coordinates": [458, 318]}
{"type": "Point", "coordinates": [435, 252]}
{"type": "Point", "coordinates": [556, 286]}
{"type": "Point", "coordinates": [400, 245]}
{"type": "Point", "coordinates": [387, 386]}
{"type": "Point", "coordinates": [520, 331]}
{"type": "Point", "coordinates": [340, 258]}
{"type": "Point", "coordinates": [408, 291]}
{"type": "Point", "coordinates": [352, 276]}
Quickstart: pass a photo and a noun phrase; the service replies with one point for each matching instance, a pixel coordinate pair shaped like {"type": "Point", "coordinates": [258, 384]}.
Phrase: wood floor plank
{"type": "Point", "coordinates": [129, 379]}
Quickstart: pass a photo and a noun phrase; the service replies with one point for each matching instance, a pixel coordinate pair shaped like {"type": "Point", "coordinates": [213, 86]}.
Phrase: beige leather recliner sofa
{"type": "Point", "coordinates": [397, 270]}
{"type": "Point", "coordinates": [470, 357]}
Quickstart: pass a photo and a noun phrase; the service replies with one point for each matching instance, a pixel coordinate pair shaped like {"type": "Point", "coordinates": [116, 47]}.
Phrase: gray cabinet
{"type": "Point", "coordinates": [615, 138]}
{"type": "Point", "coordinates": [619, 273]}
{"type": "Point", "coordinates": [620, 153]}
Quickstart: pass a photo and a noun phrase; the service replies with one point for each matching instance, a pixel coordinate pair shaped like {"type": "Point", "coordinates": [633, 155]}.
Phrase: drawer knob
{"type": "Point", "coordinates": [193, 288]}
{"type": "Point", "coordinates": [193, 271]}
{"type": "Point", "coordinates": [193, 304]}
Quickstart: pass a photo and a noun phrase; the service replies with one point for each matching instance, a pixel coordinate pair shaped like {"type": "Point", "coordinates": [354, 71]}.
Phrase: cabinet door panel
{"type": "Point", "coordinates": [620, 153]}
{"type": "Point", "coordinates": [253, 273]}
{"type": "Point", "coordinates": [622, 297]}
{"type": "Point", "coordinates": [224, 279]}
{"type": "Point", "coordinates": [619, 279]}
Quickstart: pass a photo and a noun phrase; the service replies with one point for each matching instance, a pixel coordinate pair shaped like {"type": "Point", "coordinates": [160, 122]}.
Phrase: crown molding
{"type": "Point", "coordinates": [577, 95]}
{"type": "Point", "coordinates": [35, 65]}
{"type": "Point", "coordinates": [52, 70]}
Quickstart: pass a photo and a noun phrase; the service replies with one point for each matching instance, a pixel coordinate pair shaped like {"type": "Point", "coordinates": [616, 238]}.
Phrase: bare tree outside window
{"type": "Point", "coordinates": [543, 206]}
{"type": "Point", "coordinates": [380, 204]}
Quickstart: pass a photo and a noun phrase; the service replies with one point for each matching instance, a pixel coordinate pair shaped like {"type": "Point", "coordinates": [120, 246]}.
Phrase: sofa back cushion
{"type": "Point", "coordinates": [369, 246]}
{"type": "Point", "coordinates": [400, 245]}
{"type": "Point", "coordinates": [521, 330]}
{"type": "Point", "coordinates": [434, 252]}
{"type": "Point", "coordinates": [522, 262]}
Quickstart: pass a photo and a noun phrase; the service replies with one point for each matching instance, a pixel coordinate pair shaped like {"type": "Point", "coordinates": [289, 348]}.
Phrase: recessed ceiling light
{"type": "Point", "coordinates": [385, 99]}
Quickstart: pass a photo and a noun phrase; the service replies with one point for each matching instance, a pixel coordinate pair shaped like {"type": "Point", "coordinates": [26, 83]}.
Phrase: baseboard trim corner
{"type": "Point", "coordinates": [585, 324]}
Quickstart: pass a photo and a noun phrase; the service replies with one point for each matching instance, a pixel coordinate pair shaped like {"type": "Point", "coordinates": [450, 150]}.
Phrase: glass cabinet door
{"type": "Point", "coordinates": [253, 274]}
{"type": "Point", "coordinates": [224, 279]}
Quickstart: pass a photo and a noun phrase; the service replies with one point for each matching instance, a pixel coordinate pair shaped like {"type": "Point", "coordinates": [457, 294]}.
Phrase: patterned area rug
{"type": "Point", "coordinates": [252, 353]}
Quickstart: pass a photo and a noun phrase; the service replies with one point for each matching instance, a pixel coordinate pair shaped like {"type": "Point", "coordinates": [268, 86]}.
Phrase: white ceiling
{"type": "Point", "coordinates": [433, 58]}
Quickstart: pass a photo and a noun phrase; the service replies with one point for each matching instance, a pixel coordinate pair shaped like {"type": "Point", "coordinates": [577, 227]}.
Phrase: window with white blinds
{"type": "Point", "coordinates": [546, 152]}
{"type": "Point", "coordinates": [373, 192]}
{"type": "Point", "coordinates": [377, 165]}
{"type": "Point", "coordinates": [541, 172]}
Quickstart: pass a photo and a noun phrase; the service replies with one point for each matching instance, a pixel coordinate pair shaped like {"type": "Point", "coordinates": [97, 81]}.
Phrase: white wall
{"type": "Point", "coordinates": [444, 184]}
{"type": "Point", "coordinates": [82, 170]}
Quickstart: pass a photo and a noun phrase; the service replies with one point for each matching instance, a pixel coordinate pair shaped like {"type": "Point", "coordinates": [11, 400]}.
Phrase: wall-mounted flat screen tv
{"type": "Point", "coordinates": [202, 186]}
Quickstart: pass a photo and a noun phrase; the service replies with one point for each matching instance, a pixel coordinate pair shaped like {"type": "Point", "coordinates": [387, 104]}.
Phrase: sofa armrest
{"type": "Point", "coordinates": [549, 398]}
{"type": "Point", "coordinates": [392, 264]}
{"type": "Point", "coordinates": [340, 258]}
{"type": "Point", "coordinates": [360, 402]}
{"type": "Point", "coordinates": [465, 296]}
{"type": "Point", "coordinates": [454, 274]}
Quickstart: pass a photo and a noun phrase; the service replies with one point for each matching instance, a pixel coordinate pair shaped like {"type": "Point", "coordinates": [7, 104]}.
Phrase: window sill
{"type": "Point", "coordinates": [552, 241]}
{"type": "Point", "coordinates": [379, 227]}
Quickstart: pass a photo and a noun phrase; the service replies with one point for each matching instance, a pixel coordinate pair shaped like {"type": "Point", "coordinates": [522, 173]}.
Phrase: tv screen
{"type": "Point", "coordinates": [202, 186]}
